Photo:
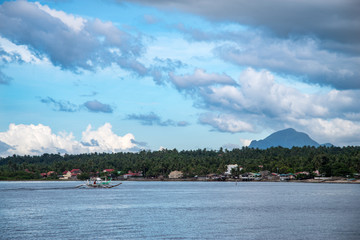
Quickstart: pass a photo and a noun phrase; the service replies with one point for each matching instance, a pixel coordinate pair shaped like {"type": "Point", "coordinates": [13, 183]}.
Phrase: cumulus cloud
{"type": "Point", "coordinates": [339, 131]}
{"type": "Point", "coordinates": [258, 102]}
{"type": "Point", "coordinates": [38, 139]}
{"type": "Point", "coordinates": [96, 106]}
{"type": "Point", "coordinates": [200, 78]}
{"type": "Point", "coordinates": [303, 57]}
{"type": "Point", "coordinates": [106, 140]}
{"type": "Point", "coordinates": [69, 41]}
{"type": "Point", "coordinates": [259, 94]}
{"type": "Point", "coordinates": [152, 119]}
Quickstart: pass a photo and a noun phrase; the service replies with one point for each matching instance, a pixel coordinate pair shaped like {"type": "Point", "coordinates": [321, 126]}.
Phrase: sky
{"type": "Point", "coordinates": [82, 76]}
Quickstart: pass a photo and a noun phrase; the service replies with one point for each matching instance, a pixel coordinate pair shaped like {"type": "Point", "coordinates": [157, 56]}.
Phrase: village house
{"type": "Point", "coordinates": [272, 177]}
{"type": "Point", "coordinates": [75, 173]}
{"type": "Point", "coordinates": [284, 177]}
{"type": "Point", "coordinates": [66, 175]}
{"type": "Point", "coordinates": [70, 174]}
{"type": "Point", "coordinates": [176, 174]}
{"type": "Point", "coordinates": [250, 177]}
{"type": "Point", "coordinates": [131, 174]}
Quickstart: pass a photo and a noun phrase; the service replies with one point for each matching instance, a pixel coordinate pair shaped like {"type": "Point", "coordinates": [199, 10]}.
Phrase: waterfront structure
{"type": "Point", "coordinates": [66, 175]}
{"type": "Point", "coordinates": [131, 174]}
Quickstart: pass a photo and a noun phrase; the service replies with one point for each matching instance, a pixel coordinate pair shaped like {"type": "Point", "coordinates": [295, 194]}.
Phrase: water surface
{"type": "Point", "coordinates": [180, 210]}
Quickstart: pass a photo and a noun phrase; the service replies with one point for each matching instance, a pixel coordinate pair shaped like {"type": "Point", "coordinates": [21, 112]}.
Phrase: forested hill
{"type": "Point", "coordinates": [333, 161]}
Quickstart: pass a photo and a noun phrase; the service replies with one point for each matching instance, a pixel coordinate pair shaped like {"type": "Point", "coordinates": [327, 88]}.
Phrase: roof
{"type": "Point", "coordinates": [75, 170]}
{"type": "Point", "coordinates": [108, 170]}
{"type": "Point", "coordinates": [130, 173]}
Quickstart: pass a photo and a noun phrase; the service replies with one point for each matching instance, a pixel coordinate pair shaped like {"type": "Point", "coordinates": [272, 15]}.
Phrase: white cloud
{"type": "Point", "coordinates": [107, 141]}
{"type": "Point", "coordinates": [245, 142]}
{"type": "Point", "coordinates": [75, 23]}
{"type": "Point", "coordinates": [17, 52]}
{"type": "Point", "coordinates": [38, 139]}
{"type": "Point", "coordinates": [70, 42]}
{"type": "Point", "coordinates": [258, 93]}
{"type": "Point", "coordinates": [304, 58]}
{"type": "Point", "coordinates": [258, 102]}
{"type": "Point", "coordinates": [336, 131]}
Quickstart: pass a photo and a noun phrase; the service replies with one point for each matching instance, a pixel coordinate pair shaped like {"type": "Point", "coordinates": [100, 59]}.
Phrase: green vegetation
{"type": "Point", "coordinates": [330, 161]}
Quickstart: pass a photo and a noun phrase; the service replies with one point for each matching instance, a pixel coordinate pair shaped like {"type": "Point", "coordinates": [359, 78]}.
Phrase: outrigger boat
{"type": "Point", "coordinates": [98, 183]}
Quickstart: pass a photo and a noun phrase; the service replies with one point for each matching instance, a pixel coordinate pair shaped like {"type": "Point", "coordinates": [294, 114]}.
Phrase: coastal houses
{"type": "Point", "coordinates": [67, 175]}
{"type": "Point", "coordinates": [45, 174]}
{"type": "Point", "coordinates": [131, 174]}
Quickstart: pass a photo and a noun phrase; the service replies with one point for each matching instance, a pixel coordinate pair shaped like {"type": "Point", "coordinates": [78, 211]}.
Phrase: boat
{"type": "Point", "coordinates": [98, 183]}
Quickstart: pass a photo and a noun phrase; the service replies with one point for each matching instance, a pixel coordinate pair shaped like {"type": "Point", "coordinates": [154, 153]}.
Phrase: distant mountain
{"type": "Point", "coordinates": [286, 138]}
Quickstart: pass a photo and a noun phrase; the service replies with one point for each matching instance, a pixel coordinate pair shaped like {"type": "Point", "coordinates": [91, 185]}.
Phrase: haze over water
{"type": "Point", "coordinates": [179, 210]}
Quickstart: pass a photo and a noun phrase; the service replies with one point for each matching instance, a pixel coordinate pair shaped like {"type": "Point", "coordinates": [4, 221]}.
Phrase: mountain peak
{"type": "Point", "coordinates": [286, 138]}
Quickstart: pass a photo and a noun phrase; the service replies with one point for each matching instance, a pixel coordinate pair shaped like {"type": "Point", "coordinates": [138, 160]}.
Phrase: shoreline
{"type": "Point", "coordinates": [338, 181]}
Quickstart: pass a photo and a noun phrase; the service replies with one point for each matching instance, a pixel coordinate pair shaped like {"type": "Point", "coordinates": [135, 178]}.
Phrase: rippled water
{"type": "Point", "coordinates": [180, 210]}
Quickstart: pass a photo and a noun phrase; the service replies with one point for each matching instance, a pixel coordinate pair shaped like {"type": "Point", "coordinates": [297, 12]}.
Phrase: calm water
{"type": "Point", "coordinates": [179, 210]}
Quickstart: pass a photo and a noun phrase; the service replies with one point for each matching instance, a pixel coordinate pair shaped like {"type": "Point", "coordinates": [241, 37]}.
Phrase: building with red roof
{"type": "Point", "coordinates": [132, 174]}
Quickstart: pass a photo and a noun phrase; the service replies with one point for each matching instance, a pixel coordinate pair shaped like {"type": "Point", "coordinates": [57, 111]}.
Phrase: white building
{"type": "Point", "coordinates": [230, 167]}
{"type": "Point", "coordinates": [176, 174]}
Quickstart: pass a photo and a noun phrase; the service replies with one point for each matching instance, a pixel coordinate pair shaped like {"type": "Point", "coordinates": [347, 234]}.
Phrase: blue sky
{"type": "Point", "coordinates": [107, 76]}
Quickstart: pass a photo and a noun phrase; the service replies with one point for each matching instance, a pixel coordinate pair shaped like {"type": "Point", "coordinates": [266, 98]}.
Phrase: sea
{"type": "Point", "coordinates": [180, 210]}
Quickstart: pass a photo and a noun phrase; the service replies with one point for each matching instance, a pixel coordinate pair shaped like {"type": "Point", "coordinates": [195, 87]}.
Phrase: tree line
{"type": "Point", "coordinates": [330, 161]}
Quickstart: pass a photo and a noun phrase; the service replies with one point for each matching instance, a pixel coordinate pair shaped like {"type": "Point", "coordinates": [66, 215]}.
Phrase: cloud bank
{"type": "Point", "coordinates": [68, 41]}
{"type": "Point", "coordinates": [257, 101]}
{"type": "Point", "coordinates": [334, 22]}
{"type": "Point", "coordinates": [315, 42]}
{"type": "Point", "coordinates": [38, 139]}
